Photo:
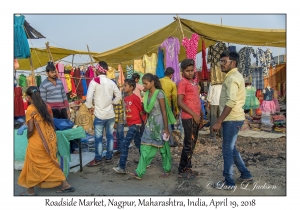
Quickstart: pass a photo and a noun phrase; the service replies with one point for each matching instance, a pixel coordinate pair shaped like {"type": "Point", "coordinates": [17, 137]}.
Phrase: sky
{"type": "Point", "coordinates": [105, 32]}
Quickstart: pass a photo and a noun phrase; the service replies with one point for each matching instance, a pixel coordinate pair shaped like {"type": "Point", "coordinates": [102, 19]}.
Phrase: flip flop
{"type": "Point", "coordinates": [133, 174]}
{"type": "Point", "coordinates": [25, 194]}
{"type": "Point", "coordinates": [70, 189]}
{"type": "Point", "coordinates": [165, 174]}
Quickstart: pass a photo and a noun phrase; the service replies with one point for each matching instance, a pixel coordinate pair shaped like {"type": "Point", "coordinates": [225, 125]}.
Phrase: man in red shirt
{"type": "Point", "coordinates": [134, 117]}
{"type": "Point", "coordinates": [188, 101]}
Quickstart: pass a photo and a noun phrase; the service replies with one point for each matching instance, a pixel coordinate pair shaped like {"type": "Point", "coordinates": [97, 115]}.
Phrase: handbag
{"type": "Point", "coordinates": [63, 124]}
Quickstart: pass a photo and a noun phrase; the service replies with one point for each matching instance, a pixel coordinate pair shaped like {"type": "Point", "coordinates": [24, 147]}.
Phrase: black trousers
{"type": "Point", "coordinates": [191, 129]}
{"type": "Point", "coordinates": [62, 114]}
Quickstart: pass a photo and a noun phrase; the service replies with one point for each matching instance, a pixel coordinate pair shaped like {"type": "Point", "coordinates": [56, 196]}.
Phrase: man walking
{"type": "Point", "coordinates": [232, 117]}
{"type": "Point", "coordinates": [102, 90]}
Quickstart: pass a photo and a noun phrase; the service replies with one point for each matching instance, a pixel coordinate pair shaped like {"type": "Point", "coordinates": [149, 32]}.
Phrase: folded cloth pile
{"type": "Point", "coordinates": [256, 119]}
{"type": "Point", "coordinates": [255, 126]}
{"type": "Point", "coordinates": [266, 127]}
{"type": "Point", "coordinates": [279, 123]}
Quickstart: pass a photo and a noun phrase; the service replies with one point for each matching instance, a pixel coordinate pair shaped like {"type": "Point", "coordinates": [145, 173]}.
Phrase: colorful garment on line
{"type": "Point", "coordinates": [191, 48]}
{"type": "Point", "coordinates": [172, 50]}
{"type": "Point", "coordinates": [18, 102]}
{"type": "Point", "coordinates": [245, 60]}
{"type": "Point", "coordinates": [138, 66]}
{"type": "Point", "coordinates": [214, 52]}
{"type": "Point", "coordinates": [265, 60]}
{"type": "Point", "coordinates": [150, 63]}
{"type": "Point", "coordinates": [251, 101]}
{"type": "Point", "coordinates": [38, 80]}
{"type": "Point", "coordinates": [41, 167]}
{"type": "Point", "coordinates": [22, 80]}
{"type": "Point", "coordinates": [78, 83]}
{"type": "Point", "coordinates": [129, 71]}
{"type": "Point", "coordinates": [257, 77]}
{"type": "Point", "coordinates": [160, 69]}
{"type": "Point", "coordinates": [21, 46]}
{"type": "Point", "coordinates": [83, 80]}
{"type": "Point", "coordinates": [61, 72]}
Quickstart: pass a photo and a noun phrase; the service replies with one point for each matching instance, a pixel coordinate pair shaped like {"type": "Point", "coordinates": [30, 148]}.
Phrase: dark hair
{"type": "Point", "coordinates": [50, 67]}
{"type": "Point", "coordinates": [233, 55]}
{"type": "Point", "coordinates": [150, 77]}
{"type": "Point", "coordinates": [103, 64]}
{"type": "Point", "coordinates": [135, 76]}
{"type": "Point", "coordinates": [38, 102]}
{"type": "Point", "coordinates": [186, 62]}
{"type": "Point", "coordinates": [169, 71]}
{"type": "Point", "coordinates": [130, 82]}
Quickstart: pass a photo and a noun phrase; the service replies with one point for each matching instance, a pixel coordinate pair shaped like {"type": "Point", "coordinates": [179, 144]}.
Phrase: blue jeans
{"type": "Point", "coordinates": [230, 153]}
{"type": "Point", "coordinates": [99, 126]}
{"type": "Point", "coordinates": [133, 133]}
{"type": "Point", "coordinates": [120, 136]}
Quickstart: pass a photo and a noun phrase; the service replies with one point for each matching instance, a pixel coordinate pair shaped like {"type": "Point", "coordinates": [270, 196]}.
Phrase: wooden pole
{"type": "Point", "coordinates": [91, 60]}
{"type": "Point", "coordinates": [180, 26]}
{"type": "Point", "coordinates": [32, 70]}
{"type": "Point", "coordinates": [51, 58]}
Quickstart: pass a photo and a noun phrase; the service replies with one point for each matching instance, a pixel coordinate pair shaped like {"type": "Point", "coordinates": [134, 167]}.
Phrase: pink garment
{"type": "Point", "coordinates": [89, 75]}
{"type": "Point", "coordinates": [268, 106]}
{"type": "Point", "coordinates": [121, 76]}
{"type": "Point", "coordinates": [172, 49]}
{"type": "Point", "coordinates": [191, 47]}
{"type": "Point", "coordinates": [60, 68]}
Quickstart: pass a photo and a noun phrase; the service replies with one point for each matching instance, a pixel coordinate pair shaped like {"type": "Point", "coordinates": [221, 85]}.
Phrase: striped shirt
{"type": "Point", "coordinates": [53, 95]}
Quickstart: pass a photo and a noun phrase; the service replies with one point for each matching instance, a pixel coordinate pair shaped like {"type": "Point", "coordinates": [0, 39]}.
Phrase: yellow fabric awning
{"type": "Point", "coordinates": [40, 56]}
{"type": "Point", "coordinates": [210, 33]}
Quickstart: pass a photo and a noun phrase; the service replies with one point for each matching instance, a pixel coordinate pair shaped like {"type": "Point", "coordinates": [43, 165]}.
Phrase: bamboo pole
{"type": "Point", "coordinates": [91, 59]}
{"type": "Point", "coordinates": [180, 26]}
{"type": "Point", "coordinates": [32, 70]}
{"type": "Point", "coordinates": [51, 58]}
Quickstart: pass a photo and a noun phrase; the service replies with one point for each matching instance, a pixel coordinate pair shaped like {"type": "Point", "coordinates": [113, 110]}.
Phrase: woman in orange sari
{"type": "Point", "coordinates": [41, 167]}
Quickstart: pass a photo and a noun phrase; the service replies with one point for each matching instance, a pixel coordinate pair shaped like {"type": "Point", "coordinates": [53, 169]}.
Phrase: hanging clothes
{"type": "Point", "coordinates": [78, 83]}
{"type": "Point", "coordinates": [68, 80]}
{"type": "Point", "coordinates": [232, 48]}
{"type": "Point", "coordinates": [138, 66]}
{"type": "Point", "coordinates": [150, 63]}
{"type": "Point", "coordinates": [257, 77]}
{"type": "Point", "coordinates": [18, 102]}
{"type": "Point", "coordinates": [110, 74]}
{"type": "Point", "coordinates": [15, 79]}
{"type": "Point", "coordinates": [251, 101]}
{"type": "Point", "coordinates": [129, 71]}
{"type": "Point", "coordinates": [72, 81]}
{"type": "Point", "coordinates": [204, 66]}
{"type": "Point", "coordinates": [83, 81]}
{"type": "Point", "coordinates": [245, 60]}
{"type": "Point", "coordinates": [38, 80]}
{"type": "Point", "coordinates": [172, 49]}
{"type": "Point", "coordinates": [121, 77]}
{"type": "Point", "coordinates": [22, 80]}
{"type": "Point", "coordinates": [213, 57]}
{"type": "Point", "coordinates": [265, 60]}
{"type": "Point", "coordinates": [21, 46]}
{"type": "Point", "coordinates": [61, 72]}
{"type": "Point", "coordinates": [191, 47]}
{"type": "Point", "coordinates": [89, 75]}
{"type": "Point", "coordinates": [160, 69]}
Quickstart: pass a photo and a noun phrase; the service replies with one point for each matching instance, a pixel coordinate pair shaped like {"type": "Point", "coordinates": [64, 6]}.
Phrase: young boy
{"type": "Point", "coordinates": [139, 88]}
{"type": "Point", "coordinates": [188, 101]}
{"type": "Point", "coordinates": [134, 110]}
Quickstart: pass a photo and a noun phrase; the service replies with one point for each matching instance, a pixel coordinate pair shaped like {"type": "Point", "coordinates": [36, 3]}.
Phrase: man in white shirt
{"type": "Point", "coordinates": [102, 90]}
{"type": "Point", "coordinates": [213, 98]}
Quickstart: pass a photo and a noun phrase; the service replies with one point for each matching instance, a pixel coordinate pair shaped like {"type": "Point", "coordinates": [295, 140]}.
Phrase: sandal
{"type": "Point", "coordinates": [245, 181]}
{"type": "Point", "coordinates": [133, 174]}
{"type": "Point", "coordinates": [186, 175]}
{"type": "Point", "coordinates": [94, 163]}
{"type": "Point", "coordinates": [70, 189]}
{"type": "Point", "coordinates": [165, 174]}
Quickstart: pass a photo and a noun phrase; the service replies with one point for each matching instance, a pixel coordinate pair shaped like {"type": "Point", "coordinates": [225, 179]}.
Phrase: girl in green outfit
{"type": "Point", "coordinates": [160, 118]}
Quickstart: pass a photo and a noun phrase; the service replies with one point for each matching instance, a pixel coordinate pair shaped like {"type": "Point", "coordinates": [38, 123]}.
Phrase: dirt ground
{"type": "Point", "coordinates": [264, 157]}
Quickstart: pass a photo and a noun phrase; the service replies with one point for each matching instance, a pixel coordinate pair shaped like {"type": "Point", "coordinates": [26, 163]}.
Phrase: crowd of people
{"type": "Point", "coordinates": [150, 111]}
